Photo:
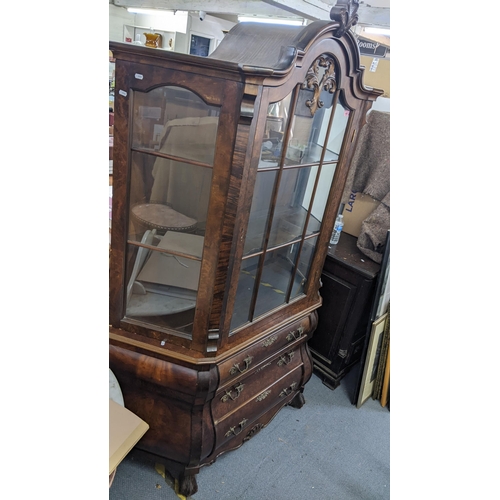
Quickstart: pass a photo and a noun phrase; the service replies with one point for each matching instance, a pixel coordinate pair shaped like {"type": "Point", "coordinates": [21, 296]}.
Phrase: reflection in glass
{"type": "Point", "coordinates": [305, 261]}
{"type": "Point", "coordinates": [308, 131]}
{"type": "Point", "coordinates": [246, 284]}
{"type": "Point", "coordinates": [278, 114]}
{"type": "Point", "coordinates": [337, 132]}
{"type": "Point", "coordinates": [175, 121]}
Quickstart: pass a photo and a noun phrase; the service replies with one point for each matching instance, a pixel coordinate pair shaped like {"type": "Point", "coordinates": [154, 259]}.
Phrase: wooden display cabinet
{"type": "Point", "coordinates": [224, 199]}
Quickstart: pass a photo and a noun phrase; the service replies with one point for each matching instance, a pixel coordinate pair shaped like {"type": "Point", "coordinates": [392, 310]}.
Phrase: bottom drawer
{"type": "Point", "coordinates": [249, 430]}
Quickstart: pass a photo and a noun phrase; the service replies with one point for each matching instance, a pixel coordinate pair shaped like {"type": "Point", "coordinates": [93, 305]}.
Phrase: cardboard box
{"type": "Point", "coordinates": [125, 430]}
{"type": "Point", "coordinates": [359, 207]}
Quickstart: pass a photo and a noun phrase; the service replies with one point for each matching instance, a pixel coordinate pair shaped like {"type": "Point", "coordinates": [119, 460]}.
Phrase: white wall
{"type": "Point", "coordinates": [117, 18]}
{"type": "Point", "coordinates": [211, 27]}
{"type": "Point", "coordinates": [382, 104]}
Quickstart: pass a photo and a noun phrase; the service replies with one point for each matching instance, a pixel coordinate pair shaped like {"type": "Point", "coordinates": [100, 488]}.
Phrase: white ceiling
{"type": "Point", "coordinates": [370, 12]}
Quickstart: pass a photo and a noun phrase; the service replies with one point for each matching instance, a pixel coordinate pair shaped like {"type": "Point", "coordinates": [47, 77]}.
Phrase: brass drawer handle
{"type": "Point", "coordinates": [269, 341]}
{"type": "Point", "coordinates": [288, 390]}
{"type": "Point", "coordinates": [263, 396]}
{"type": "Point", "coordinates": [236, 367]}
{"type": "Point", "coordinates": [295, 334]}
{"type": "Point", "coordinates": [236, 430]}
{"type": "Point", "coordinates": [286, 358]}
{"type": "Point", "coordinates": [229, 394]}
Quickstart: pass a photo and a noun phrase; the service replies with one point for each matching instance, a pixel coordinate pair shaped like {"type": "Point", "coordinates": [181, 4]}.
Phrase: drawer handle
{"type": "Point", "coordinates": [229, 394]}
{"type": "Point", "coordinates": [263, 396]}
{"type": "Point", "coordinates": [288, 390]}
{"type": "Point", "coordinates": [236, 367]}
{"type": "Point", "coordinates": [269, 341]}
{"type": "Point", "coordinates": [237, 429]}
{"type": "Point", "coordinates": [286, 358]}
{"type": "Point", "coordinates": [295, 334]}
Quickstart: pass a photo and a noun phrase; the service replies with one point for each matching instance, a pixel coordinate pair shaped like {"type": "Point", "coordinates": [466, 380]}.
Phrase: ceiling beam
{"type": "Point", "coordinates": [312, 10]}
{"type": "Point", "coordinates": [374, 16]}
{"type": "Point", "coordinates": [245, 7]}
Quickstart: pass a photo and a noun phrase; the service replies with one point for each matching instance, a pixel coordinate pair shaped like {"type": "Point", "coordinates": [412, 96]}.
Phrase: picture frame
{"type": "Point", "coordinates": [384, 399]}
{"type": "Point", "coordinates": [371, 364]}
{"type": "Point", "coordinates": [382, 296]}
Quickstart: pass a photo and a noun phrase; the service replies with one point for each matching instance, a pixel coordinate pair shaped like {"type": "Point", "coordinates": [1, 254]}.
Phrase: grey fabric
{"type": "Point", "coordinates": [373, 234]}
{"type": "Point", "coordinates": [370, 174]}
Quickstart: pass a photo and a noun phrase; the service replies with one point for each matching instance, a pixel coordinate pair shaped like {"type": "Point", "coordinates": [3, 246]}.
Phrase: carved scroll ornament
{"type": "Point", "coordinates": [319, 82]}
{"type": "Point", "coordinates": [345, 12]}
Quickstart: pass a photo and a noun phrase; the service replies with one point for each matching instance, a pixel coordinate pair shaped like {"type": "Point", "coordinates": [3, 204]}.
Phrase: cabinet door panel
{"type": "Point", "coordinates": [338, 296]}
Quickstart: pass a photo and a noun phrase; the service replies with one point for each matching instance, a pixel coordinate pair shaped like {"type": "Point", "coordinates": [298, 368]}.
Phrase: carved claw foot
{"type": "Point", "coordinates": [187, 485]}
{"type": "Point", "coordinates": [298, 401]}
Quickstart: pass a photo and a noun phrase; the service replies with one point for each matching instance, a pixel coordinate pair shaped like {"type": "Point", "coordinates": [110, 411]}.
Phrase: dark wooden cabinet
{"type": "Point", "coordinates": [228, 173]}
{"type": "Point", "coordinates": [349, 281]}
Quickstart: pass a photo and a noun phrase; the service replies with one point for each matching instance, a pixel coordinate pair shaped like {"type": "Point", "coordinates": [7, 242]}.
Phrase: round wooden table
{"type": "Point", "coordinates": [163, 218]}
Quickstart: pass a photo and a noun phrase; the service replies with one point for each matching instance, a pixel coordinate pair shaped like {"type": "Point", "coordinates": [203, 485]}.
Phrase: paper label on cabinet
{"type": "Point", "coordinates": [123, 93]}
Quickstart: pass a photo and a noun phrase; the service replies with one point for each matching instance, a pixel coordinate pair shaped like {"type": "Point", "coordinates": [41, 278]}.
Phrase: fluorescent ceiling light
{"type": "Point", "coordinates": [378, 31]}
{"type": "Point", "coordinates": [269, 20]}
{"type": "Point", "coordinates": [158, 12]}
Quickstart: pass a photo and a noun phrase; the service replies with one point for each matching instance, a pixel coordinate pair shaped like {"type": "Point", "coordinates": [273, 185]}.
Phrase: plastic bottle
{"type": "Point", "coordinates": [337, 229]}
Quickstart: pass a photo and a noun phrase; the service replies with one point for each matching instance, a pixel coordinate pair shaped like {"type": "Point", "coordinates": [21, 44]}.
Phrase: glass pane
{"type": "Point", "coordinates": [175, 121]}
{"type": "Point", "coordinates": [259, 212]}
{"type": "Point", "coordinates": [168, 211]}
{"type": "Point", "coordinates": [276, 275]}
{"type": "Point", "coordinates": [308, 130]}
{"type": "Point", "coordinates": [305, 260]}
{"type": "Point", "coordinates": [244, 292]}
{"type": "Point", "coordinates": [321, 197]}
{"type": "Point", "coordinates": [167, 195]}
{"type": "Point", "coordinates": [337, 132]}
{"type": "Point", "coordinates": [292, 206]}
{"type": "Point", "coordinates": [162, 285]}
{"type": "Point", "coordinates": [278, 115]}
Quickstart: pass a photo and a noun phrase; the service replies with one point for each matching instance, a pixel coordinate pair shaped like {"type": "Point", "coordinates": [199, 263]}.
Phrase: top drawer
{"type": "Point", "coordinates": [249, 358]}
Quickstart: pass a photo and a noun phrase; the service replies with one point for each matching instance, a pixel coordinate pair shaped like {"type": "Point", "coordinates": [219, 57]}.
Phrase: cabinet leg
{"type": "Point", "coordinates": [298, 401]}
{"type": "Point", "coordinates": [187, 484]}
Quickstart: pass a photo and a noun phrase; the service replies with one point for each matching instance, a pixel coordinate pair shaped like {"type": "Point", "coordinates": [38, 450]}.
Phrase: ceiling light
{"type": "Point", "coordinates": [269, 20]}
{"type": "Point", "coordinates": [157, 12]}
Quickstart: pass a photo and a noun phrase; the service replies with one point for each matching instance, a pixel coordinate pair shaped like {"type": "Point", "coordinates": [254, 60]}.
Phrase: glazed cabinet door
{"type": "Point", "coordinates": [171, 146]}
{"type": "Point", "coordinates": [300, 149]}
